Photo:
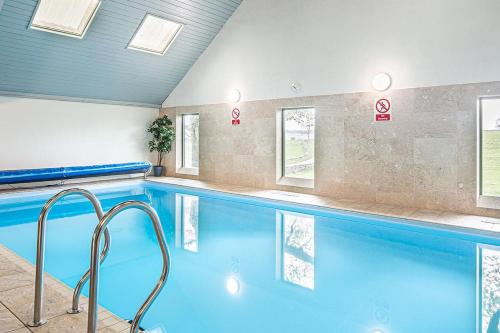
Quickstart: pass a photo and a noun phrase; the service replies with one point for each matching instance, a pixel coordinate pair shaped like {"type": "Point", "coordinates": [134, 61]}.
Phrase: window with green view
{"type": "Point", "coordinates": [490, 146]}
{"type": "Point", "coordinates": [190, 140]}
{"type": "Point", "coordinates": [298, 143]}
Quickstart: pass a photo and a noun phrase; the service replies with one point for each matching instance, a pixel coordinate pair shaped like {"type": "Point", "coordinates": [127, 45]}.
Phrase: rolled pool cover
{"type": "Point", "coordinates": [49, 174]}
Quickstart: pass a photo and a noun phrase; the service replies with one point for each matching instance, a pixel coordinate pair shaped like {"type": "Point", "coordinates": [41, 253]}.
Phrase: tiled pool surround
{"type": "Point", "coordinates": [16, 302]}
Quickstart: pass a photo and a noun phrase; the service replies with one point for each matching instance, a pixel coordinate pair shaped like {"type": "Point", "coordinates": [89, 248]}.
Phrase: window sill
{"type": "Point", "coordinates": [188, 171]}
{"type": "Point", "coordinates": [296, 182]}
{"type": "Point", "coordinates": [484, 201]}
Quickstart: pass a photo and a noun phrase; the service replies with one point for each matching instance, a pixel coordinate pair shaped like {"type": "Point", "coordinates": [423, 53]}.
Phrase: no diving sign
{"type": "Point", "coordinates": [383, 109]}
{"type": "Point", "coordinates": [236, 116]}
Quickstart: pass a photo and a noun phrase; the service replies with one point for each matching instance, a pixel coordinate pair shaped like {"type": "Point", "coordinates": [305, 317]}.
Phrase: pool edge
{"type": "Point", "coordinates": [17, 293]}
{"type": "Point", "coordinates": [476, 224]}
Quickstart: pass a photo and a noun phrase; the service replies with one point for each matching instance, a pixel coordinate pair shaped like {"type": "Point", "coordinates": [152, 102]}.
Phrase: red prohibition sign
{"type": "Point", "coordinates": [383, 105]}
{"type": "Point", "coordinates": [236, 113]}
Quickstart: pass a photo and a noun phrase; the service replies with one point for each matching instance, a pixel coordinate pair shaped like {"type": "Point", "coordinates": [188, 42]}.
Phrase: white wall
{"type": "Point", "coordinates": [36, 133]}
{"type": "Point", "coordinates": [335, 46]}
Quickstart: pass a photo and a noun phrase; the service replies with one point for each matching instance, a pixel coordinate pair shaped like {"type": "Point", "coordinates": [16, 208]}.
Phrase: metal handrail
{"type": "Point", "coordinates": [95, 266]}
{"type": "Point", "coordinates": [40, 250]}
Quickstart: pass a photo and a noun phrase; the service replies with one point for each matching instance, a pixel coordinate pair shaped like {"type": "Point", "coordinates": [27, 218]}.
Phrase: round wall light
{"type": "Point", "coordinates": [381, 81]}
{"type": "Point", "coordinates": [234, 96]}
{"type": "Point", "coordinates": [232, 285]}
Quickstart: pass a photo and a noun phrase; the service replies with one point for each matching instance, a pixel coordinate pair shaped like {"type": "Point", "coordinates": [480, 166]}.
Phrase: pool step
{"type": "Point", "coordinates": [142, 329]}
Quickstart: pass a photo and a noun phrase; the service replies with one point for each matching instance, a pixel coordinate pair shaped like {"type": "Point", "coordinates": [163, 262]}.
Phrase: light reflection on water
{"type": "Point", "coordinates": [295, 241]}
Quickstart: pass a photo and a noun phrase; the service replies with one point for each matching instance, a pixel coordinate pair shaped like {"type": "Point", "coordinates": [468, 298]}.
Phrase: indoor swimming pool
{"type": "Point", "coordinates": [246, 265]}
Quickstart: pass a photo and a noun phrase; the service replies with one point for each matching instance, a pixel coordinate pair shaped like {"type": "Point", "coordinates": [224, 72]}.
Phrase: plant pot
{"type": "Point", "coordinates": [157, 171]}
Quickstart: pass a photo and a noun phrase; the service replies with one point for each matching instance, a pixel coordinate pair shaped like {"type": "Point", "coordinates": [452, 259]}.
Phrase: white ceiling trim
{"type": "Point", "coordinates": [76, 99]}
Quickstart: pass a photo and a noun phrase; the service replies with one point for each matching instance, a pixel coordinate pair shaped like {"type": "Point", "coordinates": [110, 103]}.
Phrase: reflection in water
{"type": "Point", "coordinates": [295, 248]}
{"type": "Point", "coordinates": [186, 222]}
{"type": "Point", "coordinates": [489, 274]}
{"type": "Point", "coordinates": [232, 285]}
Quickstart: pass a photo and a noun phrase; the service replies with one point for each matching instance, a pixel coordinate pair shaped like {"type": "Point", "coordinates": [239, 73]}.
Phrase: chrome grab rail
{"type": "Point", "coordinates": [94, 262]}
{"type": "Point", "coordinates": [40, 251]}
{"type": "Point", "coordinates": [75, 305]}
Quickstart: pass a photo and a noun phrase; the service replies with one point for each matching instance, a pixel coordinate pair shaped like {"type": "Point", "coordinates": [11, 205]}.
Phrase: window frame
{"type": "Point", "coordinates": [180, 166]}
{"type": "Point", "coordinates": [62, 32]}
{"type": "Point", "coordinates": [281, 178]}
{"type": "Point", "coordinates": [170, 43]}
{"type": "Point", "coordinates": [483, 201]}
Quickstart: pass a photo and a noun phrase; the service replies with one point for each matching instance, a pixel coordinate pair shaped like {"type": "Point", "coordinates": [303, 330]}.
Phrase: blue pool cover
{"type": "Point", "coordinates": [47, 174]}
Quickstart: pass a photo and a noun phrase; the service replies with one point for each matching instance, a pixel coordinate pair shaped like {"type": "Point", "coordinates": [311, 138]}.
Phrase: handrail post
{"type": "Point", "coordinates": [38, 320]}
{"type": "Point", "coordinates": [95, 265]}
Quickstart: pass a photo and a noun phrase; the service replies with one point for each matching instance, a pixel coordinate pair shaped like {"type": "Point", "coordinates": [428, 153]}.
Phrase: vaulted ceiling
{"type": "Point", "coordinates": [99, 66]}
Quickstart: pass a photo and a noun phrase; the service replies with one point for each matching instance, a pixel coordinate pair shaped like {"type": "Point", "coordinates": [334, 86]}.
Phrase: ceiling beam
{"type": "Point", "coordinates": [75, 99]}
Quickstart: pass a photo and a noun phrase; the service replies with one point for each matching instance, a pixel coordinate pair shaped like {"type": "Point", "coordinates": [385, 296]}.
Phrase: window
{"type": "Point", "coordinates": [70, 17]}
{"type": "Point", "coordinates": [190, 141]}
{"type": "Point", "coordinates": [155, 35]}
{"type": "Point", "coordinates": [297, 144]}
{"type": "Point", "coordinates": [295, 239]}
{"type": "Point", "coordinates": [489, 150]}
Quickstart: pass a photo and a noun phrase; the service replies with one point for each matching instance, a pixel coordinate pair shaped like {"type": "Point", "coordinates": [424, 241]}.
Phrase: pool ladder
{"type": "Point", "coordinates": [96, 258]}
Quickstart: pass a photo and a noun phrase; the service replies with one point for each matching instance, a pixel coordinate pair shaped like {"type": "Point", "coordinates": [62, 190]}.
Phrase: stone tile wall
{"type": "Point", "coordinates": [424, 158]}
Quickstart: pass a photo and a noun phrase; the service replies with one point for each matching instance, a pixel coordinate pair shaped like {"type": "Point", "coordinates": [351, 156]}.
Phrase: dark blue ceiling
{"type": "Point", "coordinates": [99, 66]}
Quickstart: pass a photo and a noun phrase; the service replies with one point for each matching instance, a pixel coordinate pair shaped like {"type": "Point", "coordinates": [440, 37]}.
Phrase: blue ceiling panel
{"type": "Point", "coordinates": [99, 66]}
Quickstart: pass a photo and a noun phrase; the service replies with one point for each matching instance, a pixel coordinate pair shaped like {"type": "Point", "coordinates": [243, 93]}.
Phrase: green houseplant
{"type": "Point", "coordinates": [163, 134]}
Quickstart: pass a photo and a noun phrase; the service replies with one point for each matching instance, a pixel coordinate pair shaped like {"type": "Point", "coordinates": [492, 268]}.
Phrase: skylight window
{"type": "Point", "coordinates": [155, 35]}
{"type": "Point", "coordinates": [65, 17]}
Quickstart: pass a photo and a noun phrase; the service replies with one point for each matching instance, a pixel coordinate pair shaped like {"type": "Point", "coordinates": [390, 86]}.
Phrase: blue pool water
{"type": "Point", "coordinates": [247, 265]}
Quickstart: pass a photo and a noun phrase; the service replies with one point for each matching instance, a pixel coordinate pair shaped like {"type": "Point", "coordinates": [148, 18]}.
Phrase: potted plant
{"type": "Point", "coordinates": [163, 135]}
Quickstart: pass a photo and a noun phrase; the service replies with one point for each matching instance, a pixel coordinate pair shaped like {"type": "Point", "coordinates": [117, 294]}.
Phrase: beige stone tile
{"type": "Point", "coordinates": [441, 98]}
{"type": "Point", "coordinates": [436, 178]}
{"type": "Point", "coordinates": [402, 200]}
{"type": "Point", "coordinates": [21, 330]}
{"type": "Point", "coordinates": [362, 172]}
{"type": "Point", "coordinates": [435, 151]}
{"type": "Point", "coordinates": [120, 326]}
{"type": "Point", "coordinates": [437, 124]}
{"type": "Point", "coordinates": [360, 149]}
{"type": "Point", "coordinates": [426, 215]}
{"type": "Point", "coordinates": [394, 177]}
{"type": "Point", "coordinates": [437, 200]}
{"type": "Point", "coordinates": [8, 267]}
{"type": "Point", "coordinates": [20, 301]}
{"type": "Point", "coordinates": [64, 324]}
{"type": "Point", "coordinates": [331, 189]}
{"type": "Point", "coordinates": [16, 280]}
{"type": "Point", "coordinates": [8, 322]}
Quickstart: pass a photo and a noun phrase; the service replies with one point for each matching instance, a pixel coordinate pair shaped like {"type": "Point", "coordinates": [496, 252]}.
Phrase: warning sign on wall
{"type": "Point", "coordinates": [236, 116]}
{"type": "Point", "coordinates": [382, 109]}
